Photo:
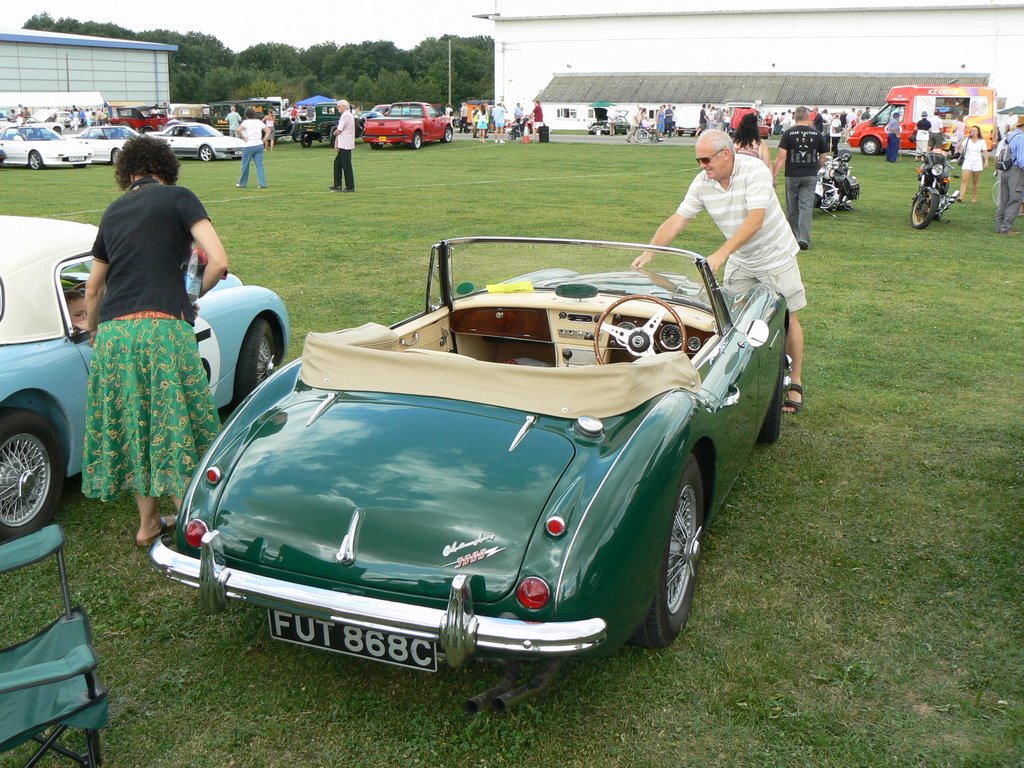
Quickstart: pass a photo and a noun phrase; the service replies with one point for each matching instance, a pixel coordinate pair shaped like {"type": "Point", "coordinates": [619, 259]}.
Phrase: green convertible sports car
{"type": "Point", "coordinates": [522, 471]}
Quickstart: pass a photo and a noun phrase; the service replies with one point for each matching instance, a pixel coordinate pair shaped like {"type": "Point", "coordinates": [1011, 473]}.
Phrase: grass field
{"type": "Point", "coordinates": [860, 594]}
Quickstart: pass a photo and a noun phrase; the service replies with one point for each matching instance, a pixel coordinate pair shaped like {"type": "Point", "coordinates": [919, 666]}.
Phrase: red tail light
{"type": "Point", "coordinates": [194, 533]}
{"type": "Point", "coordinates": [555, 525]}
{"type": "Point", "coordinates": [533, 593]}
{"type": "Point", "coordinates": [213, 475]}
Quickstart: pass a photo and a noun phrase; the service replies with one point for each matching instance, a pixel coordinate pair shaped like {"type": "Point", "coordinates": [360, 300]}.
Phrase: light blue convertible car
{"type": "Point", "coordinates": [242, 332]}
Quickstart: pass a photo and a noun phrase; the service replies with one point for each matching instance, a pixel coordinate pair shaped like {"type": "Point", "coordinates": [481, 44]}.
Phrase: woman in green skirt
{"type": "Point", "coordinates": [150, 415]}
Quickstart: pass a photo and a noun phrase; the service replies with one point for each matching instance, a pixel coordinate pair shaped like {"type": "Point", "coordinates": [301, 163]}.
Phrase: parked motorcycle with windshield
{"type": "Point", "coordinates": [836, 188]}
{"type": "Point", "coordinates": [933, 196]}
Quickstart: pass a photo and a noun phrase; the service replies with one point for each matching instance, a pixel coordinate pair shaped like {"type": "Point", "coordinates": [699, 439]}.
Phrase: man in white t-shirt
{"type": "Point", "coordinates": [835, 133]}
{"type": "Point", "coordinates": [738, 193]}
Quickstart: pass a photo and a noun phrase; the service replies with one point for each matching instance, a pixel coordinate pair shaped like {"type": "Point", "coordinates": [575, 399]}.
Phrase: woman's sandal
{"type": "Point", "coordinates": [166, 524]}
{"type": "Point", "coordinates": [795, 405]}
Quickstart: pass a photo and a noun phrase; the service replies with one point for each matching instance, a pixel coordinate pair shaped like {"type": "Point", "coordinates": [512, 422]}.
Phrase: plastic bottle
{"type": "Point", "coordinates": [194, 274]}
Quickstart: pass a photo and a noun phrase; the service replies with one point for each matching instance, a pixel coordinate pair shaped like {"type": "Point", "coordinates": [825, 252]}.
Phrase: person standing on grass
{"type": "Point", "coordinates": [498, 115]}
{"type": "Point", "coordinates": [481, 123]}
{"type": "Point", "coordinates": [736, 190]}
{"type": "Point", "coordinates": [892, 136]}
{"type": "Point", "coordinates": [149, 412]}
{"type": "Point", "coordinates": [253, 132]}
{"type": "Point", "coordinates": [974, 153]}
{"type": "Point", "coordinates": [344, 142]}
{"type": "Point", "coordinates": [268, 137]}
{"type": "Point", "coordinates": [234, 120]}
{"type": "Point", "coordinates": [1011, 183]}
{"type": "Point", "coordinates": [802, 151]}
{"type": "Point", "coordinates": [537, 119]}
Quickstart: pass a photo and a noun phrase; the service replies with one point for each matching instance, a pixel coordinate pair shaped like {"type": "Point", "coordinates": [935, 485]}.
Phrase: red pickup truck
{"type": "Point", "coordinates": [408, 122]}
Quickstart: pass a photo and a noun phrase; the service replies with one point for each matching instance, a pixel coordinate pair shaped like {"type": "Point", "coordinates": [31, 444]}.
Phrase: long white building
{"type": "Point", "coordinates": [534, 44]}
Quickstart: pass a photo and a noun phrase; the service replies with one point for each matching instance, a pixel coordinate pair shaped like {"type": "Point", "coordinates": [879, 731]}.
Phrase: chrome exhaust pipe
{"type": "Point", "coordinates": [507, 682]}
{"type": "Point", "coordinates": [539, 682]}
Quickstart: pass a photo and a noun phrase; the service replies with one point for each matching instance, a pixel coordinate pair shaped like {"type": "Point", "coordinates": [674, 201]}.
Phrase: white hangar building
{"type": "Point", "coordinates": [564, 53]}
{"type": "Point", "coordinates": [34, 64]}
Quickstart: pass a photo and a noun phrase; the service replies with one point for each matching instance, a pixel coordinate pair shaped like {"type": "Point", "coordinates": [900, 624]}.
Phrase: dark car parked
{"type": "Point", "coordinates": [617, 125]}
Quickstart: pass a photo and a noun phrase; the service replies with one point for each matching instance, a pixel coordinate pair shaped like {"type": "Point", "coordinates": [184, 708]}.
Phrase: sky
{"type": "Point", "coordinates": [239, 26]}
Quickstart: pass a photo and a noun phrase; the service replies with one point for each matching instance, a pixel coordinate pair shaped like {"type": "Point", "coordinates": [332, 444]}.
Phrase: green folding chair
{"type": "Point", "coordinates": [48, 683]}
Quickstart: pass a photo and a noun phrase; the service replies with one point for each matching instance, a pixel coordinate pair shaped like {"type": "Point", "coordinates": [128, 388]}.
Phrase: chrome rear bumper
{"type": "Point", "coordinates": [457, 630]}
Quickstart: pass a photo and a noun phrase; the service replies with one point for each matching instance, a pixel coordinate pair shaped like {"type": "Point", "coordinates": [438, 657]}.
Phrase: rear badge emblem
{"type": "Point", "coordinates": [474, 557]}
{"type": "Point", "coordinates": [455, 546]}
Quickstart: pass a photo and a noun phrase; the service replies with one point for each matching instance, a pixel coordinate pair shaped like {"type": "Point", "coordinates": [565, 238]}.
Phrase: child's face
{"type": "Point", "coordinates": [79, 314]}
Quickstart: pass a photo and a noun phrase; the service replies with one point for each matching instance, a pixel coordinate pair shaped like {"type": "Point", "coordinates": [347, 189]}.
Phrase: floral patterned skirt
{"type": "Point", "coordinates": [149, 413]}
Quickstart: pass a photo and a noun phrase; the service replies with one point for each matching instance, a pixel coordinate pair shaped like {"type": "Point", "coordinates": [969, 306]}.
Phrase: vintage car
{"type": "Point", "coordinates": [319, 125]}
{"type": "Point", "coordinates": [617, 124]}
{"type": "Point", "coordinates": [219, 111]}
{"type": "Point", "coordinates": [522, 471]}
{"type": "Point", "coordinates": [106, 141]}
{"type": "Point", "coordinates": [200, 141]}
{"type": "Point", "coordinates": [140, 118]}
{"type": "Point", "coordinates": [37, 148]}
{"type": "Point", "coordinates": [409, 123]}
{"type": "Point", "coordinates": [242, 332]}
{"type": "Point", "coordinates": [57, 121]}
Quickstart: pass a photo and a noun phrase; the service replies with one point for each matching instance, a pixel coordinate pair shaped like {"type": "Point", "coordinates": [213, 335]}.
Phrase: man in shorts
{"type": "Point", "coordinates": [737, 192]}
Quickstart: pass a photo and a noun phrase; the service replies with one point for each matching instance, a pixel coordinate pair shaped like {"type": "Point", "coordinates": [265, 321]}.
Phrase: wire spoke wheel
{"type": "Point", "coordinates": [26, 477]}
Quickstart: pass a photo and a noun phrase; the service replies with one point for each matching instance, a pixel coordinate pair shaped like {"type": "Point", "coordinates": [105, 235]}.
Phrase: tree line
{"type": "Point", "coordinates": [204, 70]}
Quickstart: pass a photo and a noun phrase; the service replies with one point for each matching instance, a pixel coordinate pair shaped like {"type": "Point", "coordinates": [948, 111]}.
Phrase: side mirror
{"type": "Point", "coordinates": [757, 333]}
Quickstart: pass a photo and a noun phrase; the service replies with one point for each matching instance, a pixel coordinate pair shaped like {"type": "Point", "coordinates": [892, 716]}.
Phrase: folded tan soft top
{"type": "Point", "coordinates": [367, 359]}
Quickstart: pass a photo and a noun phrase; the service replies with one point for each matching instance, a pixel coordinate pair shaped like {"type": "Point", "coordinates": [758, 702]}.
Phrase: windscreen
{"type": "Point", "coordinates": [575, 269]}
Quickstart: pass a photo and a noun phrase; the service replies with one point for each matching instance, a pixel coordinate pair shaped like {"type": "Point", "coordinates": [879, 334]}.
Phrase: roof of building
{"type": "Point", "coordinates": [722, 88]}
{"type": "Point", "coordinates": [32, 36]}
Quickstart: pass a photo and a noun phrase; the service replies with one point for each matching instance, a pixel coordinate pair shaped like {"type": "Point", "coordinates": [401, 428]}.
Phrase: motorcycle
{"type": "Point", "coordinates": [836, 188]}
{"type": "Point", "coordinates": [933, 197]}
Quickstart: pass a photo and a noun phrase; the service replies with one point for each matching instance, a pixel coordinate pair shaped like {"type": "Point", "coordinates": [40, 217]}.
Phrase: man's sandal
{"type": "Point", "coordinates": [794, 406]}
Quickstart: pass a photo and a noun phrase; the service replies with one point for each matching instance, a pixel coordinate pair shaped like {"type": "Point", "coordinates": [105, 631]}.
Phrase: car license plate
{"type": "Point", "coordinates": [76, 159]}
{"type": "Point", "coordinates": [405, 651]}
{"type": "Point", "coordinates": [382, 139]}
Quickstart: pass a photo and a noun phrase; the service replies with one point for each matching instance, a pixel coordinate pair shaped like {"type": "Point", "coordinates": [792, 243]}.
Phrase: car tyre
{"type": "Point", "coordinates": [449, 134]}
{"type": "Point", "coordinates": [771, 427]}
{"type": "Point", "coordinates": [678, 575]}
{"type": "Point", "coordinates": [869, 145]}
{"type": "Point", "coordinates": [417, 140]}
{"type": "Point", "coordinates": [35, 161]}
{"type": "Point", "coordinates": [206, 153]}
{"type": "Point", "coordinates": [31, 472]}
{"type": "Point", "coordinates": [306, 141]}
{"type": "Point", "coordinates": [376, 145]}
{"type": "Point", "coordinates": [256, 359]}
{"type": "Point", "coordinates": [113, 155]}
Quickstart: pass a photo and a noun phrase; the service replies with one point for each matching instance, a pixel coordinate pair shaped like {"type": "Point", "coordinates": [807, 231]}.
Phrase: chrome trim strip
{"type": "Point", "coordinates": [498, 636]}
{"type": "Point", "coordinates": [328, 401]}
{"type": "Point", "coordinates": [527, 426]}
{"type": "Point", "coordinates": [347, 551]}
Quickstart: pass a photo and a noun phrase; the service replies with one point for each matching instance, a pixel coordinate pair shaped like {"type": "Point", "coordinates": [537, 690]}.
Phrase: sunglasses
{"type": "Point", "coordinates": [707, 160]}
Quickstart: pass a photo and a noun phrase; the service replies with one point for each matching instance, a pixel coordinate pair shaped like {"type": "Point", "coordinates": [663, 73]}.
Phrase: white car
{"type": "Point", "coordinates": [52, 119]}
{"type": "Point", "coordinates": [106, 141]}
{"type": "Point", "coordinates": [39, 148]}
{"type": "Point", "coordinates": [198, 140]}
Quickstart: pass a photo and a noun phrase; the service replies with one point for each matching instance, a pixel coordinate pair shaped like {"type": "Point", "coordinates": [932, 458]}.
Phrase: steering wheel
{"type": "Point", "coordinates": [639, 342]}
